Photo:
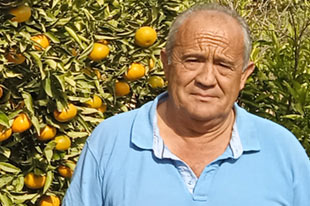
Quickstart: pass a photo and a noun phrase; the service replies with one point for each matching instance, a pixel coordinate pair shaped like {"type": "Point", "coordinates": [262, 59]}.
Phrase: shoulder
{"type": "Point", "coordinates": [119, 122]}
{"type": "Point", "coordinates": [270, 135]}
{"type": "Point", "coordinates": [114, 133]}
{"type": "Point", "coordinates": [260, 125]}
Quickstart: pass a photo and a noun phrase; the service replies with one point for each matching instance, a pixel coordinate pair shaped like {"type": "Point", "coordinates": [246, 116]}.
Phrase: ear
{"type": "Point", "coordinates": [164, 60]}
{"type": "Point", "coordinates": [246, 73]}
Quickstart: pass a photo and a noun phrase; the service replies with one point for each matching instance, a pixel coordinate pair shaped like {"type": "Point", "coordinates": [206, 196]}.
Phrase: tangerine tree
{"type": "Point", "coordinates": [64, 67]}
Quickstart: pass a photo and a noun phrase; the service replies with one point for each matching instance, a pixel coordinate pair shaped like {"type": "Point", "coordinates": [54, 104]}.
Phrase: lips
{"type": "Point", "coordinates": [204, 95]}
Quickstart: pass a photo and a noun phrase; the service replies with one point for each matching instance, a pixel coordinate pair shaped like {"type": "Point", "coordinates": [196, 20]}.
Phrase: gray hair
{"type": "Point", "coordinates": [210, 7]}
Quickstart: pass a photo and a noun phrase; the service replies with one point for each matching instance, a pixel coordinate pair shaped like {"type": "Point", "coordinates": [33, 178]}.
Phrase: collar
{"type": "Point", "coordinates": [144, 129]}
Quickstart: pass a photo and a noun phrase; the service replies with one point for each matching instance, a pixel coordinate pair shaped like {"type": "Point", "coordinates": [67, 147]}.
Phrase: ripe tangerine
{"type": "Point", "coordinates": [42, 40]}
{"type": "Point", "coordinates": [1, 92]}
{"type": "Point", "coordinates": [95, 102]}
{"type": "Point", "coordinates": [145, 36]}
{"type": "Point", "coordinates": [15, 58]}
{"type": "Point", "coordinates": [5, 133]}
{"type": "Point", "coordinates": [21, 123]}
{"type": "Point", "coordinates": [47, 133]}
{"type": "Point", "coordinates": [135, 71]}
{"type": "Point", "coordinates": [122, 88]}
{"type": "Point", "coordinates": [34, 181]}
{"type": "Point", "coordinates": [65, 171]}
{"type": "Point", "coordinates": [66, 114]}
{"type": "Point", "coordinates": [21, 13]}
{"type": "Point", "coordinates": [99, 51]}
{"type": "Point", "coordinates": [49, 200]}
{"type": "Point", "coordinates": [63, 142]}
{"type": "Point", "coordinates": [156, 82]}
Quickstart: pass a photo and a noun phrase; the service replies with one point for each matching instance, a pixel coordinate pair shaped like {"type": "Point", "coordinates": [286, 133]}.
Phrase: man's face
{"type": "Point", "coordinates": [205, 74]}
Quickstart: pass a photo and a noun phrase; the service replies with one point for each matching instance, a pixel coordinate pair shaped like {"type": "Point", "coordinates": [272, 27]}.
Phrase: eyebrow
{"type": "Point", "coordinates": [200, 55]}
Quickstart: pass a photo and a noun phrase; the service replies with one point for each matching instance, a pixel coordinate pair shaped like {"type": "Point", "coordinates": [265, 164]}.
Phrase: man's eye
{"type": "Point", "coordinates": [224, 65]}
{"type": "Point", "coordinates": [191, 60]}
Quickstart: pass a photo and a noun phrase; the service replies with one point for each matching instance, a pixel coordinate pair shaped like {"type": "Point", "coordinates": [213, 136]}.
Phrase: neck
{"type": "Point", "coordinates": [189, 128]}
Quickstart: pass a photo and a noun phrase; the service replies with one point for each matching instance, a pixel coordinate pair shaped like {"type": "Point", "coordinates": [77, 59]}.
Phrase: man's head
{"type": "Point", "coordinates": [206, 64]}
{"type": "Point", "coordinates": [172, 37]}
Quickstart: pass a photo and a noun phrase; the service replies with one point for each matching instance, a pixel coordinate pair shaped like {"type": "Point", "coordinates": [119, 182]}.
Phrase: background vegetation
{"type": "Point", "coordinates": [51, 78]}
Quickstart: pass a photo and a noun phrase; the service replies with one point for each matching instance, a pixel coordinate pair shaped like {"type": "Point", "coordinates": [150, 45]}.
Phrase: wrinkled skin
{"type": "Point", "coordinates": [205, 74]}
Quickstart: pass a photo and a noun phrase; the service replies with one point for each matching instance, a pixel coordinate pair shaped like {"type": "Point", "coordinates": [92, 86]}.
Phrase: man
{"type": "Point", "coordinates": [194, 145]}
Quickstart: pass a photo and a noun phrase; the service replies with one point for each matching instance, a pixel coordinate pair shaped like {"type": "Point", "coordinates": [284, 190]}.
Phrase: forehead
{"type": "Point", "coordinates": [210, 28]}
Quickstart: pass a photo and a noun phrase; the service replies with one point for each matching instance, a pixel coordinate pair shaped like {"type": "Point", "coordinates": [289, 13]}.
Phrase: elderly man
{"type": "Point", "coordinates": [193, 145]}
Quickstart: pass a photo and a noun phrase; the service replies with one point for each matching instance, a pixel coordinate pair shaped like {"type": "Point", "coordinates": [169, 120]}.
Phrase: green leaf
{"type": "Point", "coordinates": [7, 167]}
{"type": "Point", "coordinates": [60, 81]}
{"type": "Point", "coordinates": [74, 135]}
{"type": "Point", "coordinates": [36, 124]}
{"type": "Point", "coordinates": [70, 81]}
{"type": "Point", "coordinates": [47, 86]}
{"type": "Point", "coordinates": [51, 63]}
{"type": "Point", "coordinates": [5, 151]}
{"type": "Point", "coordinates": [28, 102]}
{"type": "Point", "coordinates": [19, 183]}
{"type": "Point", "coordinates": [52, 37]}
{"type": "Point", "coordinates": [48, 150]}
{"type": "Point", "coordinates": [5, 200]}
{"type": "Point", "coordinates": [49, 179]}
{"type": "Point", "coordinates": [22, 198]}
{"type": "Point", "coordinates": [4, 120]}
{"type": "Point", "coordinates": [37, 59]}
{"type": "Point", "coordinates": [100, 2]}
{"type": "Point", "coordinates": [5, 179]}
{"type": "Point", "coordinates": [74, 36]}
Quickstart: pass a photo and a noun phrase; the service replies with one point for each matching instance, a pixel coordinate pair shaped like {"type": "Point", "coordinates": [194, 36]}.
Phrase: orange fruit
{"type": "Point", "coordinates": [21, 13]}
{"type": "Point", "coordinates": [66, 114]}
{"type": "Point", "coordinates": [21, 123]}
{"type": "Point", "coordinates": [42, 40]}
{"type": "Point", "coordinates": [103, 108]}
{"type": "Point", "coordinates": [151, 63]}
{"type": "Point", "coordinates": [135, 71]}
{"type": "Point", "coordinates": [121, 88]}
{"type": "Point", "coordinates": [1, 92]}
{"type": "Point", "coordinates": [156, 82]}
{"type": "Point", "coordinates": [65, 171]}
{"type": "Point", "coordinates": [97, 72]}
{"type": "Point", "coordinates": [74, 52]}
{"type": "Point", "coordinates": [34, 181]}
{"type": "Point", "coordinates": [63, 142]}
{"type": "Point", "coordinates": [145, 36]}
{"type": "Point", "coordinates": [99, 52]}
{"type": "Point", "coordinates": [47, 133]}
{"type": "Point", "coordinates": [49, 200]}
{"type": "Point", "coordinates": [95, 102]}
{"type": "Point", "coordinates": [15, 58]}
{"type": "Point", "coordinates": [5, 133]}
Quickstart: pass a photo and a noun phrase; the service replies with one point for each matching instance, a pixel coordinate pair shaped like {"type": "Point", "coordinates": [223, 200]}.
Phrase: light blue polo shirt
{"type": "Point", "coordinates": [125, 163]}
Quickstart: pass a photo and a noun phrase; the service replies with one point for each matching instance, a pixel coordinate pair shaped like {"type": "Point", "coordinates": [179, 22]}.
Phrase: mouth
{"type": "Point", "coordinates": [204, 96]}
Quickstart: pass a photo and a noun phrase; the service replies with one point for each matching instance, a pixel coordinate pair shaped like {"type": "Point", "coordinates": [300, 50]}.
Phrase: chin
{"type": "Point", "coordinates": [207, 112]}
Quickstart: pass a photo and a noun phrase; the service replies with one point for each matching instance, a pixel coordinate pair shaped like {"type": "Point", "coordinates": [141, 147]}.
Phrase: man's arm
{"type": "Point", "coordinates": [301, 177]}
{"type": "Point", "coordinates": [85, 188]}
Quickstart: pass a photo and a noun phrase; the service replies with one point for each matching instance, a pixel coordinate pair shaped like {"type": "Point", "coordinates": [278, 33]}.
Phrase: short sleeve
{"type": "Point", "coordinates": [85, 188]}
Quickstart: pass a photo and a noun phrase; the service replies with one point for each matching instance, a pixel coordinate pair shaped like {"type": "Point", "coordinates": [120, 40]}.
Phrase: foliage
{"type": "Point", "coordinates": [280, 90]}
{"type": "Point", "coordinates": [61, 74]}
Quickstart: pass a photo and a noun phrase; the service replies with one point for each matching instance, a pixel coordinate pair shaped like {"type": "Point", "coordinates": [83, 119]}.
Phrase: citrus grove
{"type": "Point", "coordinates": [67, 65]}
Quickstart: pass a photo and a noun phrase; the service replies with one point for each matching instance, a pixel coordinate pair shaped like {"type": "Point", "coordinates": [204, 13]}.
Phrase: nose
{"type": "Point", "coordinates": [206, 76]}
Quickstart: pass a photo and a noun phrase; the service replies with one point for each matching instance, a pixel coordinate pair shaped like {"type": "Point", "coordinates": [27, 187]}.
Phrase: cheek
{"type": "Point", "coordinates": [231, 88]}
{"type": "Point", "coordinates": [180, 77]}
